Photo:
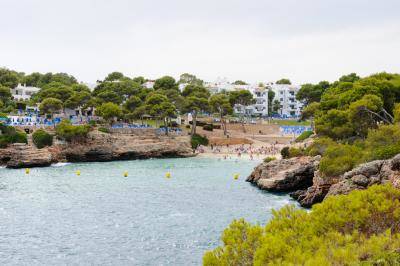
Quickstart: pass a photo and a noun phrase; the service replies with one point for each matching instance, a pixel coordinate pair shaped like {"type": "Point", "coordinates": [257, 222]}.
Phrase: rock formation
{"type": "Point", "coordinates": [368, 174]}
{"type": "Point", "coordinates": [98, 147]}
{"type": "Point", "coordinates": [23, 155]}
{"type": "Point", "coordinates": [285, 175]}
{"type": "Point", "coordinates": [109, 147]}
{"type": "Point", "coordinates": [301, 177]}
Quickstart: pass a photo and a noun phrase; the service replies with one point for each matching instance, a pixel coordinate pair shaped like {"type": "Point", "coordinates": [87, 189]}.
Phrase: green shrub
{"type": "Point", "coordinates": [7, 130]}
{"type": "Point", "coordinates": [361, 228]}
{"type": "Point", "coordinates": [269, 159]}
{"type": "Point", "coordinates": [319, 146]}
{"type": "Point", "coordinates": [10, 135]}
{"type": "Point", "coordinates": [5, 140]}
{"type": "Point", "coordinates": [208, 127]}
{"type": "Point", "coordinates": [92, 123]}
{"type": "Point", "coordinates": [65, 130]}
{"type": "Point", "coordinates": [305, 135]}
{"type": "Point", "coordinates": [42, 139]}
{"type": "Point", "coordinates": [291, 152]}
{"type": "Point", "coordinates": [337, 158]}
{"type": "Point", "coordinates": [104, 130]}
{"type": "Point", "coordinates": [340, 158]}
{"type": "Point", "coordinates": [19, 137]}
{"type": "Point", "coordinates": [383, 143]}
{"type": "Point", "coordinates": [295, 152]}
{"type": "Point", "coordinates": [198, 140]}
{"type": "Point", "coordinates": [285, 152]}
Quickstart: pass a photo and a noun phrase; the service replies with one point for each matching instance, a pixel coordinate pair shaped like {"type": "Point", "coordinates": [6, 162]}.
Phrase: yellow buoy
{"type": "Point", "coordinates": [27, 171]}
{"type": "Point", "coordinates": [78, 172]}
{"type": "Point", "coordinates": [126, 174]}
{"type": "Point", "coordinates": [168, 175]}
{"type": "Point", "coordinates": [236, 176]}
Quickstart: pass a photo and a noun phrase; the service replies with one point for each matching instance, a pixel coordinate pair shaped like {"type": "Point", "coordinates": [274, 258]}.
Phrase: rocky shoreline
{"type": "Point", "coordinates": [99, 147]}
{"type": "Point", "coordinates": [300, 177]}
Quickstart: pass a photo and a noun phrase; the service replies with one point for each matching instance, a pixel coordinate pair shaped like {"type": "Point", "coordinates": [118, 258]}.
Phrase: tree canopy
{"type": "Point", "coordinates": [359, 228]}
{"type": "Point", "coordinates": [166, 83]}
{"type": "Point", "coordinates": [109, 111]}
{"type": "Point", "coordinates": [310, 93]}
{"type": "Point", "coordinates": [240, 82]}
{"type": "Point", "coordinates": [51, 105]}
{"type": "Point", "coordinates": [187, 78]}
{"type": "Point", "coordinates": [352, 105]}
{"type": "Point", "coordinates": [284, 81]}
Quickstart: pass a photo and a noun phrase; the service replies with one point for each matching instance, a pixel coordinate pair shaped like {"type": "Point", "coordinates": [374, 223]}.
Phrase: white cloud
{"type": "Point", "coordinates": [250, 40]}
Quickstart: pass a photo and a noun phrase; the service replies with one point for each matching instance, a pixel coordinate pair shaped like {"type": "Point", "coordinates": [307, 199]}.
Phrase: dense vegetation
{"type": "Point", "coordinates": [11, 135]}
{"type": "Point", "coordinates": [356, 120]}
{"type": "Point", "coordinates": [122, 97]}
{"type": "Point", "coordinates": [66, 131]}
{"type": "Point", "coordinates": [303, 136]}
{"type": "Point", "coordinates": [42, 138]}
{"type": "Point", "coordinates": [360, 228]}
{"type": "Point", "coordinates": [198, 140]}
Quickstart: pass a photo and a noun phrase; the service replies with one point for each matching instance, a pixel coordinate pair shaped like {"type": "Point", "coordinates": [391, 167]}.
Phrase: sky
{"type": "Point", "coordinates": [252, 40]}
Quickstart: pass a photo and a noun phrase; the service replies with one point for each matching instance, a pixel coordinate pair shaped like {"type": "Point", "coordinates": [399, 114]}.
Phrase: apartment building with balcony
{"type": "Point", "coordinates": [286, 95]}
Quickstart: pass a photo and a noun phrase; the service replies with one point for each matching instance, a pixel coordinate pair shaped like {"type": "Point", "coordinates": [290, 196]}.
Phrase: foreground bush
{"type": "Point", "coordinates": [338, 157]}
{"type": "Point", "coordinates": [198, 140]}
{"type": "Point", "coordinates": [42, 139]}
{"type": "Point", "coordinates": [360, 228]}
{"type": "Point", "coordinates": [383, 143]}
{"type": "Point", "coordinates": [65, 130]}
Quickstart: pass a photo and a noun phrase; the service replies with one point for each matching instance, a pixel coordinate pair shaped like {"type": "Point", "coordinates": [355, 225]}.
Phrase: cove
{"type": "Point", "coordinates": [52, 216]}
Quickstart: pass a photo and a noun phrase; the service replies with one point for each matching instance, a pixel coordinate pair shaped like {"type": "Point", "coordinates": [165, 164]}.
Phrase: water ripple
{"type": "Point", "coordinates": [53, 216]}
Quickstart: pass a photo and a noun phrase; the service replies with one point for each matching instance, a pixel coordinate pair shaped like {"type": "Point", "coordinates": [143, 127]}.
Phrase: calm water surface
{"type": "Point", "coordinates": [54, 217]}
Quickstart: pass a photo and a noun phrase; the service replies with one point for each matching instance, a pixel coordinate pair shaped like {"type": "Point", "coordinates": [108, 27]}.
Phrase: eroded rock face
{"type": "Point", "coordinates": [99, 147]}
{"type": "Point", "coordinates": [368, 174]}
{"type": "Point", "coordinates": [315, 193]}
{"type": "Point", "coordinates": [23, 155]}
{"type": "Point", "coordinates": [361, 177]}
{"type": "Point", "coordinates": [109, 147]}
{"type": "Point", "coordinates": [285, 175]}
{"type": "Point", "coordinates": [301, 176]}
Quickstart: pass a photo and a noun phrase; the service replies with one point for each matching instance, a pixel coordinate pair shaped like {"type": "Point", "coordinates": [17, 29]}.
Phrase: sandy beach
{"type": "Point", "coordinates": [257, 151]}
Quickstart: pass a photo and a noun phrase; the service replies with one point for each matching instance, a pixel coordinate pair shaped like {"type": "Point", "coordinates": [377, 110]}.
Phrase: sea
{"type": "Point", "coordinates": [142, 212]}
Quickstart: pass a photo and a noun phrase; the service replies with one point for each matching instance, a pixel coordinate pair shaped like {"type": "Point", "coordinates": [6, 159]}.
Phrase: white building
{"type": "Point", "coordinates": [149, 84]}
{"type": "Point", "coordinates": [221, 84]}
{"type": "Point", "coordinates": [260, 107]}
{"type": "Point", "coordinates": [286, 95]}
{"type": "Point", "coordinates": [22, 92]}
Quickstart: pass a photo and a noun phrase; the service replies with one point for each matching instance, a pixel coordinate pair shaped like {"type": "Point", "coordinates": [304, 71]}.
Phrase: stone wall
{"type": "Point", "coordinates": [134, 131]}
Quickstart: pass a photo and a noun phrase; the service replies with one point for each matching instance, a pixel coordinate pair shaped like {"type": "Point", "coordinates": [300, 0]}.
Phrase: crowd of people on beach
{"type": "Point", "coordinates": [227, 151]}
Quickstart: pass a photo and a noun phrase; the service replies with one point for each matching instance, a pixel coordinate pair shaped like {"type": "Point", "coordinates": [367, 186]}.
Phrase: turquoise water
{"type": "Point", "coordinates": [52, 216]}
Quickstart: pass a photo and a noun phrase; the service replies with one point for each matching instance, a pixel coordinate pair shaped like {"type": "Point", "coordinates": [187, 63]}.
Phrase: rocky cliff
{"type": "Point", "coordinates": [98, 147]}
{"type": "Point", "coordinates": [285, 175]}
{"type": "Point", "coordinates": [109, 147]}
{"type": "Point", "coordinates": [368, 174]}
{"type": "Point", "coordinates": [301, 177]}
